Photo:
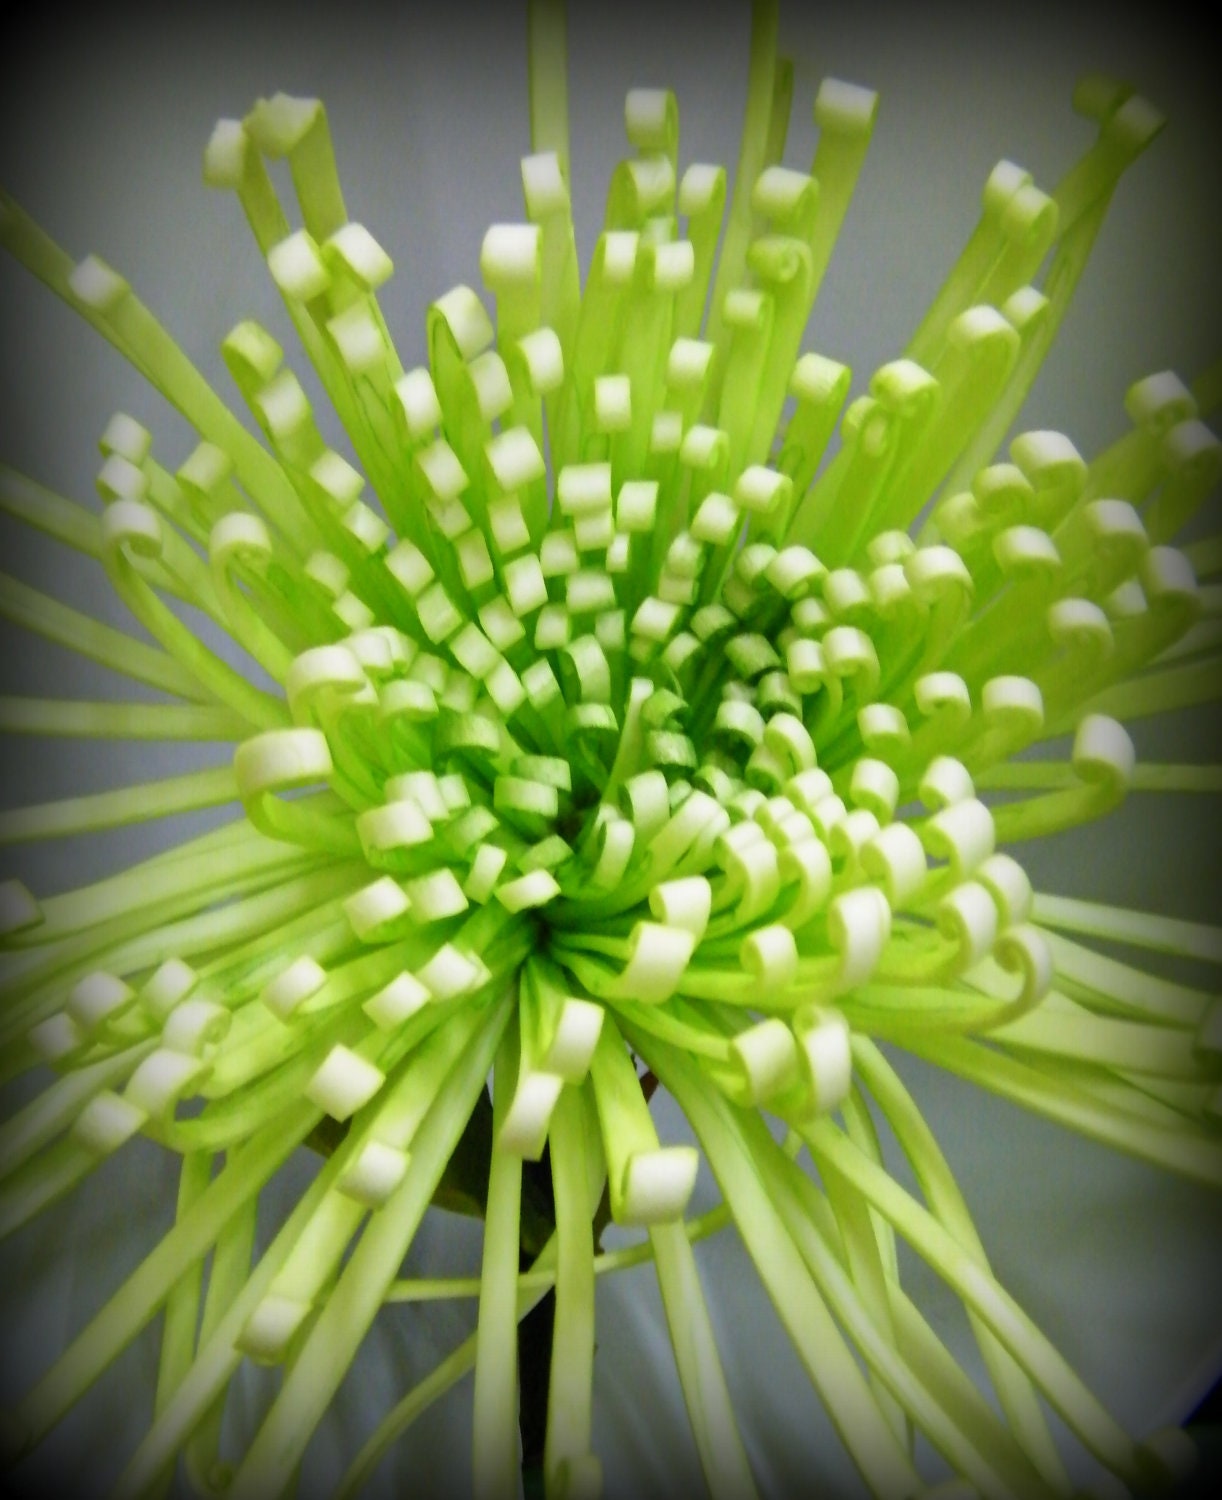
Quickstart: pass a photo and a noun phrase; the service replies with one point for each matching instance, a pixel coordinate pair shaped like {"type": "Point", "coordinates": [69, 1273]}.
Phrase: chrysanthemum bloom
{"type": "Point", "coordinates": [616, 711]}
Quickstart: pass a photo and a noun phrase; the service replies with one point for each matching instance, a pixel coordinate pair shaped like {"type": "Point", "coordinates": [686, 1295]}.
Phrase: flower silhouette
{"type": "Point", "coordinates": [621, 702]}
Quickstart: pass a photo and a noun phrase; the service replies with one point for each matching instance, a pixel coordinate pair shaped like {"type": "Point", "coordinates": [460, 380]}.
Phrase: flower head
{"type": "Point", "coordinates": [624, 702]}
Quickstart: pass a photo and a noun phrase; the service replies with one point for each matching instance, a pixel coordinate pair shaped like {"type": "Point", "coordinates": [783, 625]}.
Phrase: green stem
{"type": "Point", "coordinates": [229, 1274]}
{"type": "Point", "coordinates": [942, 1193]}
{"type": "Point", "coordinates": [822, 1349]}
{"type": "Point", "coordinates": [495, 1424]}
{"type": "Point", "coordinates": [548, 73]}
{"type": "Point", "coordinates": [727, 1469]}
{"type": "Point", "coordinates": [353, 1304]}
{"type": "Point", "coordinates": [569, 1396]}
{"type": "Point", "coordinates": [753, 148]}
{"type": "Point", "coordinates": [119, 721]}
{"type": "Point", "coordinates": [438, 1289]}
{"type": "Point", "coordinates": [118, 1323]}
{"type": "Point", "coordinates": [1121, 925]}
{"type": "Point", "coordinates": [1198, 1159]}
{"type": "Point", "coordinates": [117, 809]}
{"type": "Point", "coordinates": [982, 1294]}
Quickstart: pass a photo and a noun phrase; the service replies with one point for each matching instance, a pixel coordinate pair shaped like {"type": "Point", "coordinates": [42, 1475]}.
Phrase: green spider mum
{"type": "Point", "coordinates": [657, 720]}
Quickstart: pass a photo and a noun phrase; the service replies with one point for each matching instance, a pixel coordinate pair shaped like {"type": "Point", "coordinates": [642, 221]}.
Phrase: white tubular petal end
{"type": "Point", "coordinates": [98, 998]}
{"type": "Point", "coordinates": [684, 903]}
{"type": "Point", "coordinates": [658, 1184]}
{"type": "Point", "coordinates": [19, 911]}
{"type": "Point", "coordinates": [344, 1083]}
{"type": "Point", "coordinates": [225, 155]}
{"type": "Point", "coordinates": [397, 1002]}
{"type": "Point", "coordinates": [770, 956]}
{"type": "Point", "coordinates": [196, 1027]}
{"type": "Point", "coordinates": [895, 859]}
{"type": "Point", "coordinates": [768, 1057]}
{"type": "Point", "coordinates": [378, 911]}
{"type": "Point", "coordinates": [280, 760]}
{"type": "Point", "coordinates": [945, 782]}
{"type": "Point", "coordinates": [95, 284]}
{"type": "Point", "coordinates": [485, 871]}
{"type": "Point", "coordinates": [825, 1056]}
{"type": "Point", "coordinates": [859, 924]}
{"type": "Point", "coordinates": [106, 1122]}
{"type": "Point", "coordinates": [524, 1132]}
{"type": "Point", "coordinates": [1008, 884]}
{"type": "Point", "coordinates": [1103, 752]}
{"type": "Point", "coordinates": [270, 1328]}
{"type": "Point", "coordinates": [297, 267]}
{"type": "Point", "coordinates": [450, 973]}
{"type": "Point", "coordinates": [57, 1037]}
{"type": "Point", "coordinates": [375, 1174]}
{"type": "Point", "coordinates": [161, 1080]}
{"type": "Point", "coordinates": [292, 987]}
{"type": "Point", "coordinates": [536, 888]}
{"type": "Point", "coordinates": [658, 957]}
{"type": "Point", "coordinates": [577, 1033]}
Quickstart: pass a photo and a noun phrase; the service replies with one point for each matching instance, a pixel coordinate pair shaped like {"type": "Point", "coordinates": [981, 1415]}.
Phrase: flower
{"type": "Point", "coordinates": [601, 779]}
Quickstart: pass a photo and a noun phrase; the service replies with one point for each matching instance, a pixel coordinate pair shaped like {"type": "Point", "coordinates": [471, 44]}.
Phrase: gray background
{"type": "Point", "coordinates": [103, 124]}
